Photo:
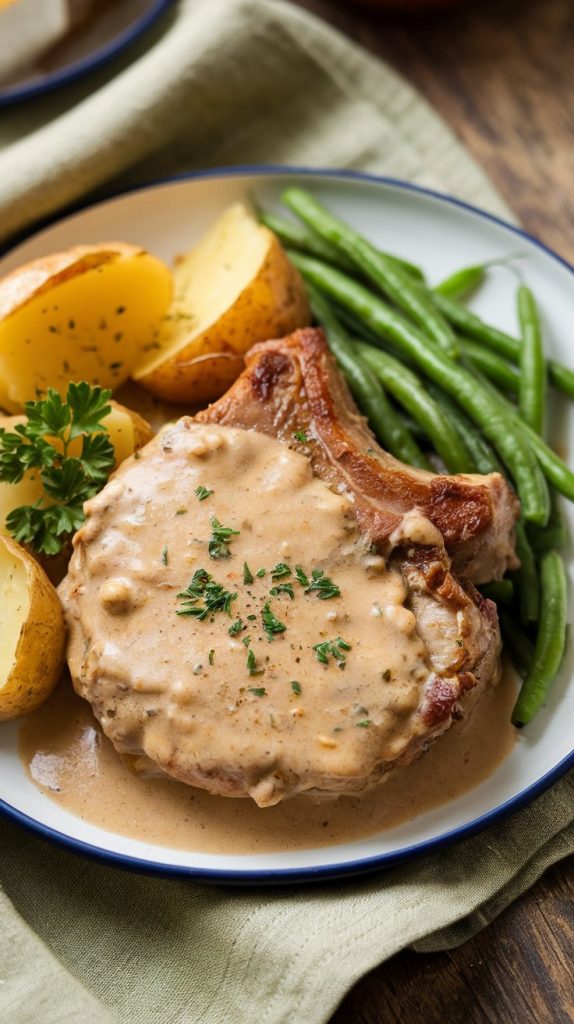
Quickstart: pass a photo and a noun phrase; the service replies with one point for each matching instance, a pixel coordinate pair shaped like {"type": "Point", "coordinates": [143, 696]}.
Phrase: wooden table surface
{"type": "Point", "coordinates": [501, 72]}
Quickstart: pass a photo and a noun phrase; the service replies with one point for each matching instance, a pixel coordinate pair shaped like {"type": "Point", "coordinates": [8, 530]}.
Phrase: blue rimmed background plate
{"type": "Point", "coordinates": [104, 34]}
{"type": "Point", "coordinates": [441, 234]}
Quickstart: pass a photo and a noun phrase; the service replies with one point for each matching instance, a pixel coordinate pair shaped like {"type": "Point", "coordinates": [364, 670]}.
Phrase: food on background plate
{"type": "Point", "coordinates": [224, 638]}
{"type": "Point", "coordinates": [32, 631]}
{"type": "Point", "coordinates": [84, 314]}
{"type": "Point", "coordinates": [236, 287]}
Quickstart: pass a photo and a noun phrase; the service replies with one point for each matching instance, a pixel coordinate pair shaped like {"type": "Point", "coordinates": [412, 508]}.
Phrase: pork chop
{"type": "Point", "coordinates": [261, 614]}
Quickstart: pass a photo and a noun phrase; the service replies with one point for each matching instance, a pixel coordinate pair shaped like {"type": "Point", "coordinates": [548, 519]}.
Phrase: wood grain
{"type": "Point", "coordinates": [501, 73]}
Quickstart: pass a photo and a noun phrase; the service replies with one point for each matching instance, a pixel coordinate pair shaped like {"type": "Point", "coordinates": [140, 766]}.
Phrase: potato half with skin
{"type": "Point", "coordinates": [32, 631]}
{"type": "Point", "coordinates": [235, 288]}
{"type": "Point", "coordinates": [127, 430]}
{"type": "Point", "coordinates": [85, 314]}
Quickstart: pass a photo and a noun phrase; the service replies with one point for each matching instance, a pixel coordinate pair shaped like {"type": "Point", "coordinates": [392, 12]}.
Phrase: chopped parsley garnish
{"type": "Point", "coordinates": [246, 641]}
{"type": "Point", "coordinates": [68, 480]}
{"type": "Point", "coordinates": [220, 539]}
{"type": "Point", "coordinates": [280, 570]}
{"type": "Point", "coordinates": [236, 627]}
{"type": "Point", "coordinates": [301, 576]}
{"type": "Point", "coordinates": [252, 664]}
{"type": "Point", "coordinates": [271, 623]}
{"type": "Point", "coordinates": [257, 691]}
{"type": "Point", "coordinates": [202, 492]}
{"type": "Point", "coordinates": [164, 555]}
{"type": "Point", "coordinates": [364, 724]}
{"type": "Point", "coordinates": [251, 618]}
{"type": "Point", "coordinates": [211, 656]}
{"type": "Point", "coordinates": [322, 586]}
{"type": "Point", "coordinates": [203, 588]}
{"type": "Point", "coordinates": [331, 648]}
{"type": "Point", "coordinates": [247, 575]}
{"type": "Point", "coordinates": [261, 573]}
{"type": "Point", "coordinates": [296, 687]}
{"type": "Point", "coordinates": [302, 436]}
{"type": "Point", "coordinates": [282, 588]}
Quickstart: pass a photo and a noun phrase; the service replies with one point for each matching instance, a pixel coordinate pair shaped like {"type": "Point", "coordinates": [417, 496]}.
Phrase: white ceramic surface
{"type": "Point", "coordinates": [441, 235]}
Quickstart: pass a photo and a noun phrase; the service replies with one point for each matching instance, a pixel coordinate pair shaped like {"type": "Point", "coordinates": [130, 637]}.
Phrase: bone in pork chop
{"type": "Point", "coordinates": [334, 643]}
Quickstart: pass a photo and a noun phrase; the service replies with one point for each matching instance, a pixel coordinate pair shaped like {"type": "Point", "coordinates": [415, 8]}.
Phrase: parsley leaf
{"type": "Point", "coordinates": [204, 588]}
{"type": "Point", "coordinates": [43, 442]}
{"type": "Point", "coordinates": [296, 687]}
{"type": "Point", "coordinates": [257, 691]}
{"type": "Point", "coordinates": [202, 492]}
{"type": "Point", "coordinates": [322, 586]}
{"type": "Point", "coordinates": [302, 578]}
{"type": "Point", "coordinates": [252, 664]}
{"type": "Point", "coordinates": [271, 623]}
{"type": "Point", "coordinates": [282, 588]}
{"type": "Point", "coordinates": [280, 570]}
{"type": "Point", "coordinates": [332, 648]}
{"type": "Point", "coordinates": [247, 575]}
{"type": "Point", "coordinates": [220, 539]}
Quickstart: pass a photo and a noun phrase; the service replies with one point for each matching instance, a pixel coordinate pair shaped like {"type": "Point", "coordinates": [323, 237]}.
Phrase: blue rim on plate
{"type": "Point", "coordinates": [363, 865]}
{"type": "Point", "coordinates": [77, 69]}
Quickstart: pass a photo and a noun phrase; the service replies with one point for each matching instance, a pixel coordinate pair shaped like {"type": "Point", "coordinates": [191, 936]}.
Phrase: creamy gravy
{"type": "Point", "coordinates": [68, 758]}
{"type": "Point", "coordinates": [257, 711]}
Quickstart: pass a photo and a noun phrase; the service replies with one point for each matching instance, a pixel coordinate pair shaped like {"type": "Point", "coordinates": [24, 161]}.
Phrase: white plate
{"type": "Point", "coordinates": [441, 234]}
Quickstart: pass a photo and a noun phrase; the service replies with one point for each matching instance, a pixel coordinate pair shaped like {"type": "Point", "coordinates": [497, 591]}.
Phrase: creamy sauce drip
{"type": "Point", "coordinates": [68, 758]}
{"type": "Point", "coordinates": [177, 691]}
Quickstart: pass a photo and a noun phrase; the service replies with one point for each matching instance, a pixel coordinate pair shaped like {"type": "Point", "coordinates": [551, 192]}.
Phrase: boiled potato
{"type": "Point", "coordinates": [32, 631]}
{"type": "Point", "coordinates": [236, 287]}
{"type": "Point", "coordinates": [127, 431]}
{"type": "Point", "coordinates": [85, 314]}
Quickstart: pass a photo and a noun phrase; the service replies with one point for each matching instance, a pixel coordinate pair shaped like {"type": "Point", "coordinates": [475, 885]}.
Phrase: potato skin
{"type": "Point", "coordinates": [39, 655]}
{"type": "Point", "coordinates": [85, 314]}
{"type": "Point", "coordinates": [273, 304]}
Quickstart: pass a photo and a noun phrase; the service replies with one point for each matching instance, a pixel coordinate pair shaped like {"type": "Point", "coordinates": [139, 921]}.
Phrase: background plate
{"type": "Point", "coordinates": [441, 234]}
{"type": "Point", "coordinates": [106, 32]}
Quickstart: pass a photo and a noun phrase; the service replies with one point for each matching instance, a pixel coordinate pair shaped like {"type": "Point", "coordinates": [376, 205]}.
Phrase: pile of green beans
{"type": "Point", "coordinates": [443, 389]}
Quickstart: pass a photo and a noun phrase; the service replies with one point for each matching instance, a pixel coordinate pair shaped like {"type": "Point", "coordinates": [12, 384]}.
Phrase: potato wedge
{"type": "Point", "coordinates": [32, 631]}
{"type": "Point", "coordinates": [85, 314]}
{"type": "Point", "coordinates": [236, 287]}
{"type": "Point", "coordinates": [128, 432]}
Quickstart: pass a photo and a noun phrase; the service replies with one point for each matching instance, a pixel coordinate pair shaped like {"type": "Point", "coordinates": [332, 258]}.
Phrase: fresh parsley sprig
{"type": "Point", "coordinates": [43, 443]}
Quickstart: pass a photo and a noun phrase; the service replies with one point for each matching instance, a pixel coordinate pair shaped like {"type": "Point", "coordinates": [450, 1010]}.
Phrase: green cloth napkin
{"type": "Point", "coordinates": [216, 83]}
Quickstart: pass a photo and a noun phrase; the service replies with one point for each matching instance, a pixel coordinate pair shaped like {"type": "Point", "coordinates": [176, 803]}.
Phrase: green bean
{"type": "Point", "coordinates": [532, 381]}
{"type": "Point", "coordinates": [518, 644]}
{"type": "Point", "coordinates": [366, 389]}
{"type": "Point", "coordinates": [295, 236]}
{"type": "Point", "coordinates": [483, 456]}
{"type": "Point", "coordinates": [526, 579]}
{"type": "Point", "coordinates": [498, 425]}
{"type": "Point", "coordinates": [550, 640]}
{"type": "Point", "coordinates": [493, 366]}
{"type": "Point", "coordinates": [408, 390]}
{"type": "Point", "coordinates": [555, 469]}
{"type": "Point", "coordinates": [555, 534]}
{"type": "Point", "coordinates": [399, 286]}
{"type": "Point", "coordinates": [463, 282]}
{"type": "Point", "coordinates": [501, 591]}
{"type": "Point", "coordinates": [470, 324]}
